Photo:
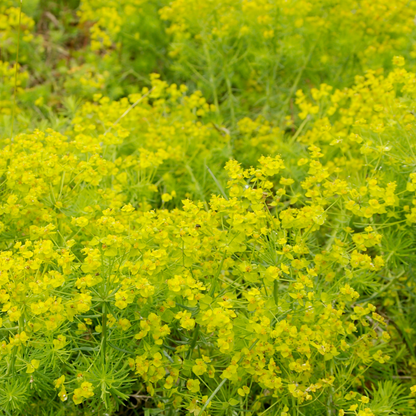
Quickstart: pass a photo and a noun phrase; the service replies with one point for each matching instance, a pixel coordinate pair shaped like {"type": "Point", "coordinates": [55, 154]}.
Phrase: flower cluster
{"type": "Point", "coordinates": [230, 235]}
{"type": "Point", "coordinates": [235, 292]}
{"type": "Point", "coordinates": [258, 46]}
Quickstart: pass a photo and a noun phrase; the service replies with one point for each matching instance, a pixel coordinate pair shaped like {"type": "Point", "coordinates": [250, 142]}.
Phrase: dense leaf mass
{"type": "Point", "coordinates": [207, 208]}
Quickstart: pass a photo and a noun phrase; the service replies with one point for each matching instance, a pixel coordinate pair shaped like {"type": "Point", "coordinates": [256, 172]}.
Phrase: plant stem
{"type": "Point", "coordinates": [276, 292]}
{"type": "Point", "coordinates": [104, 333]}
{"type": "Point", "coordinates": [15, 70]}
{"type": "Point", "coordinates": [193, 342]}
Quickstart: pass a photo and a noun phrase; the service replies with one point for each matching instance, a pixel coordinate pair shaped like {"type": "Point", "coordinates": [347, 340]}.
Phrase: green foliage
{"type": "Point", "coordinates": [207, 208]}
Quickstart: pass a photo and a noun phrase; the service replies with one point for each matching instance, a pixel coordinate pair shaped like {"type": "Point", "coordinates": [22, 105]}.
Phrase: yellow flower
{"type": "Point", "coordinates": [193, 385]}
{"type": "Point", "coordinates": [34, 364]}
{"type": "Point", "coordinates": [398, 61]}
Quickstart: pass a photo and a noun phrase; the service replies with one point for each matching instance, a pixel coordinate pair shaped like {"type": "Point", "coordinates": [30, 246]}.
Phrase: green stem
{"type": "Point", "coordinates": [15, 70]}
{"type": "Point", "coordinates": [193, 342]}
{"type": "Point", "coordinates": [214, 393]}
{"type": "Point", "coordinates": [104, 334]}
{"type": "Point", "coordinates": [211, 78]}
{"type": "Point", "coordinates": [231, 103]}
{"type": "Point", "coordinates": [214, 282]}
{"type": "Point", "coordinates": [217, 183]}
{"type": "Point", "coordinates": [276, 292]}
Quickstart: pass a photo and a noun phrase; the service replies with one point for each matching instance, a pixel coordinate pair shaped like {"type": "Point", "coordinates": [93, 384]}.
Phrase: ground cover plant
{"type": "Point", "coordinates": [207, 208]}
